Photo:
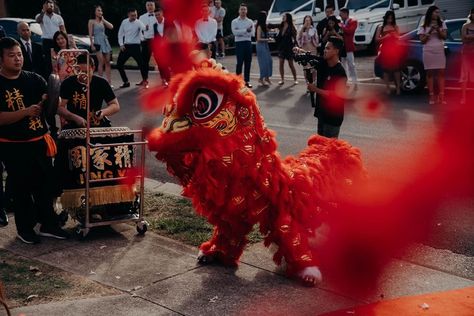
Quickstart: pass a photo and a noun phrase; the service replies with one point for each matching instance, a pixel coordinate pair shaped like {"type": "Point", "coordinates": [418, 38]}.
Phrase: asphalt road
{"type": "Point", "coordinates": [404, 127]}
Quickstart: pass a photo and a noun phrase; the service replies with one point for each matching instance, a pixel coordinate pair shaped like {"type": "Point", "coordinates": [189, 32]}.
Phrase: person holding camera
{"type": "Point", "coordinates": [26, 147]}
{"type": "Point", "coordinates": [432, 34]}
{"type": "Point", "coordinates": [330, 88]}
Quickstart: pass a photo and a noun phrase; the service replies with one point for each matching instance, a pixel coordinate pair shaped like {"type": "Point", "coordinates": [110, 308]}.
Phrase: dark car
{"type": "Point", "coordinates": [413, 74]}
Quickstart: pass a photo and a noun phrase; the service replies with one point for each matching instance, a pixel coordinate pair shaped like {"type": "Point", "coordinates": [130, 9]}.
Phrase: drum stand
{"type": "Point", "coordinates": [82, 230]}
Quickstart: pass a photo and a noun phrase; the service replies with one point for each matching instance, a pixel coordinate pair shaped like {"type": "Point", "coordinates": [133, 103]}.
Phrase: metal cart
{"type": "Point", "coordinates": [133, 208]}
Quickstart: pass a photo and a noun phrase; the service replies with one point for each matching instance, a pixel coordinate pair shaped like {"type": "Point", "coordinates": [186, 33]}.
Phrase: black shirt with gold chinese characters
{"type": "Point", "coordinates": [17, 94]}
{"type": "Point", "coordinates": [75, 92]}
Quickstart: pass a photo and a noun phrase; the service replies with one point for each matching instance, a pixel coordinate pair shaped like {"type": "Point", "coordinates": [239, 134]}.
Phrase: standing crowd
{"type": "Point", "coordinates": [37, 87]}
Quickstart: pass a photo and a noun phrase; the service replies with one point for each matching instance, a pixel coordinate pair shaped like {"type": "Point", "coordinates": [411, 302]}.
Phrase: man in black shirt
{"type": "Point", "coordinates": [25, 146]}
{"type": "Point", "coordinates": [330, 88]}
{"type": "Point", "coordinates": [73, 106]}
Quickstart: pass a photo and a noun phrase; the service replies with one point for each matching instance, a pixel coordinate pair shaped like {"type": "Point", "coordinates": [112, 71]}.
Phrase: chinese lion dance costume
{"type": "Point", "coordinates": [214, 140]}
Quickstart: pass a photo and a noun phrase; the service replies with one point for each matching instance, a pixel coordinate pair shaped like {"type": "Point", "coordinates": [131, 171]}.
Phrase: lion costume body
{"type": "Point", "coordinates": [214, 140]}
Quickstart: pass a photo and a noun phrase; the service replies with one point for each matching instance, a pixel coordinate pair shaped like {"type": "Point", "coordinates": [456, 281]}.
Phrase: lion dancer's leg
{"type": "Point", "coordinates": [226, 245]}
{"type": "Point", "coordinates": [293, 245]}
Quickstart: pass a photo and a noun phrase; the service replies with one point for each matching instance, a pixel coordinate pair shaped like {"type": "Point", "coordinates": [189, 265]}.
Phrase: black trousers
{"type": "Point", "coordinates": [308, 73]}
{"type": "Point", "coordinates": [131, 50]}
{"type": "Point", "coordinates": [147, 51]}
{"type": "Point", "coordinates": [243, 52]}
{"type": "Point", "coordinates": [30, 179]}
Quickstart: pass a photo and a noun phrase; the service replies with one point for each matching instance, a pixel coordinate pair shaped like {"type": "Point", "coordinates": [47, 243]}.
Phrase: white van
{"type": "Point", "coordinates": [299, 9]}
{"type": "Point", "coordinates": [408, 13]}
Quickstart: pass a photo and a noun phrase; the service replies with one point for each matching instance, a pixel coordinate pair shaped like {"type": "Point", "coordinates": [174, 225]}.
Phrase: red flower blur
{"type": "Point", "coordinates": [392, 53]}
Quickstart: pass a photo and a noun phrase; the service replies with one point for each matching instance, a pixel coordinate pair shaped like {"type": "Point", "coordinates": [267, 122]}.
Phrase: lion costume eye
{"type": "Point", "coordinates": [205, 104]}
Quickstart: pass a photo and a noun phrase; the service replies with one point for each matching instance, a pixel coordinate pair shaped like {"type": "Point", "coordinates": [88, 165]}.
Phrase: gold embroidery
{"type": "Point", "coordinates": [79, 101]}
{"type": "Point", "coordinates": [227, 159]}
{"type": "Point", "coordinates": [237, 200]}
{"type": "Point", "coordinates": [296, 241]}
{"type": "Point", "coordinates": [306, 257]}
{"type": "Point", "coordinates": [14, 97]}
{"type": "Point", "coordinates": [261, 210]}
{"type": "Point", "coordinates": [99, 157]}
{"type": "Point", "coordinates": [76, 161]}
{"type": "Point", "coordinates": [225, 122]}
{"type": "Point", "coordinates": [285, 228]}
{"type": "Point", "coordinates": [35, 123]}
{"type": "Point", "coordinates": [122, 156]}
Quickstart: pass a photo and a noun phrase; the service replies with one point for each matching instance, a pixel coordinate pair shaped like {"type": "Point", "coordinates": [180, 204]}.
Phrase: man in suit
{"type": "Point", "coordinates": [161, 30]}
{"type": "Point", "coordinates": [33, 54]}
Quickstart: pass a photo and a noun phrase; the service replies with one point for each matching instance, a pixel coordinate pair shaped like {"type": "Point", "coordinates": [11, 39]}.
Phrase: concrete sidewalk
{"type": "Point", "coordinates": [159, 276]}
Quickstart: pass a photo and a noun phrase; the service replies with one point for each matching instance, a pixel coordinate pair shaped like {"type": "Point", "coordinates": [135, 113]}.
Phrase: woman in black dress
{"type": "Point", "coordinates": [286, 40]}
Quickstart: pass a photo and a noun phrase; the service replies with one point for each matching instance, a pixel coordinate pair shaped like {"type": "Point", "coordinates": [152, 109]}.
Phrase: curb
{"type": "Point", "coordinates": [155, 186]}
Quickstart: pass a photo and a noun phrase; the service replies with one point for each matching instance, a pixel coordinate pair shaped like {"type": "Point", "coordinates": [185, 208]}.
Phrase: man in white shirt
{"type": "Point", "coordinates": [148, 19]}
{"type": "Point", "coordinates": [218, 13]}
{"type": "Point", "coordinates": [206, 30]}
{"type": "Point", "coordinates": [50, 23]}
{"type": "Point", "coordinates": [129, 39]}
{"type": "Point", "coordinates": [243, 28]}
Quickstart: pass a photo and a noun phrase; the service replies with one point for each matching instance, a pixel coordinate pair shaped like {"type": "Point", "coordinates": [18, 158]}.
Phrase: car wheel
{"type": "Point", "coordinates": [413, 78]}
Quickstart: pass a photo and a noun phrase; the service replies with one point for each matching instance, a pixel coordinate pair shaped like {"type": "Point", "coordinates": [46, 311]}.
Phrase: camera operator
{"type": "Point", "coordinates": [330, 87]}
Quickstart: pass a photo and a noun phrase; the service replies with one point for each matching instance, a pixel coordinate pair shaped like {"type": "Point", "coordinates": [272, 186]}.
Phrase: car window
{"type": "Point", "coordinates": [401, 3]}
{"type": "Point", "coordinates": [454, 31]}
{"type": "Point", "coordinates": [412, 3]}
{"type": "Point", "coordinates": [9, 27]}
{"type": "Point", "coordinates": [319, 4]}
{"type": "Point", "coordinates": [425, 2]}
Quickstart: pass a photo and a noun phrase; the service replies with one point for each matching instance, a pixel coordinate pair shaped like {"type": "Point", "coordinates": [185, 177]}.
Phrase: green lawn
{"type": "Point", "coordinates": [29, 282]}
{"type": "Point", "coordinates": [175, 217]}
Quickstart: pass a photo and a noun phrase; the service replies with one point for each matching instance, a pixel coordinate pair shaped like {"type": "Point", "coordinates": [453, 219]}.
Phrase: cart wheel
{"type": "Point", "coordinates": [81, 233]}
{"type": "Point", "coordinates": [142, 227]}
{"type": "Point", "coordinates": [63, 217]}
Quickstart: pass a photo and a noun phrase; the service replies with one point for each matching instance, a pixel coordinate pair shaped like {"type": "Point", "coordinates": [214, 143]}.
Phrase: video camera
{"type": "Point", "coordinates": [306, 58]}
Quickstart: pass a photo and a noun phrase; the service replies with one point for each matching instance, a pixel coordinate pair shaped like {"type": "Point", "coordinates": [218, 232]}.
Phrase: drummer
{"type": "Point", "coordinates": [73, 105]}
{"type": "Point", "coordinates": [26, 147]}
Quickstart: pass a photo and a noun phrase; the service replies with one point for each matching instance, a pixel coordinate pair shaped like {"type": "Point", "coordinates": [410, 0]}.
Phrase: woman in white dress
{"type": "Point", "coordinates": [432, 35]}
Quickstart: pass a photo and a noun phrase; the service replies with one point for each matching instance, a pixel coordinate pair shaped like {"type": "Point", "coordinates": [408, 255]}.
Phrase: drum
{"type": "Point", "coordinates": [105, 162]}
{"type": "Point", "coordinates": [52, 103]}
